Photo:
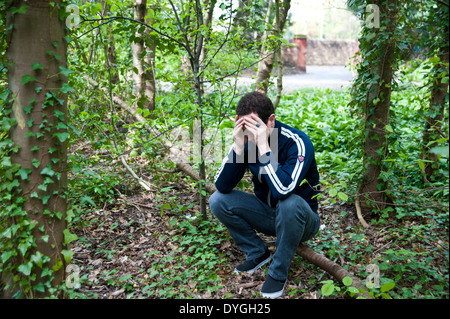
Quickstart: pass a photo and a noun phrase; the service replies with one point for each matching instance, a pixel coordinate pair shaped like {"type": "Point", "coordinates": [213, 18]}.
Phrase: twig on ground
{"type": "Point", "coordinates": [359, 214]}
{"type": "Point", "coordinates": [147, 186]}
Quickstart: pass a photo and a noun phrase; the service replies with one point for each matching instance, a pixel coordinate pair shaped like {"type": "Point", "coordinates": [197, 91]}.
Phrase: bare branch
{"type": "Point", "coordinates": [111, 19]}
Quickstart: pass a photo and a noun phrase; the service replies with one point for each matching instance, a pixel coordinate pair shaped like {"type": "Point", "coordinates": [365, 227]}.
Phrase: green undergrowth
{"type": "Point", "coordinates": [405, 248]}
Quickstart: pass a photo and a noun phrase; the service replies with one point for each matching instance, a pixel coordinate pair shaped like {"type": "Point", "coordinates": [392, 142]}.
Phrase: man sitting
{"type": "Point", "coordinates": [286, 182]}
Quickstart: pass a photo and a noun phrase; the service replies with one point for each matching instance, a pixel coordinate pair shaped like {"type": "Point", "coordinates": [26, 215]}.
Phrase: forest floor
{"type": "Point", "coordinates": [139, 246]}
{"type": "Point", "coordinates": [122, 242]}
{"type": "Point", "coordinates": [153, 244]}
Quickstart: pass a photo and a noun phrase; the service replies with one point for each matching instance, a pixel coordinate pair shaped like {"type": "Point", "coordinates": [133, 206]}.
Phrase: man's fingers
{"type": "Point", "coordinates": [252, 125]}
{"type": "Point", "coordinates": [239, 120]}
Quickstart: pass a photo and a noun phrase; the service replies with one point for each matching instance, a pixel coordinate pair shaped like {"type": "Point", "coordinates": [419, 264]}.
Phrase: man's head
{"type": "Point", "coordinates": [255, 102]}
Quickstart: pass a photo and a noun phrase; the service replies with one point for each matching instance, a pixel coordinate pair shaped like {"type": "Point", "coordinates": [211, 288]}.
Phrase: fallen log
{"type": "Point", "coordinates": [332, 268]}
{"type": "Point", "coordinates": [303, 250]}
{"type": "Point", "coordinates": [190, 171]}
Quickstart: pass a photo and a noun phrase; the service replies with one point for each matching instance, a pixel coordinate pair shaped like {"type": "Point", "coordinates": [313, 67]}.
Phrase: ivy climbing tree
{"type": "Point", "coordinates": [33, 220]}
{"type": "Point", "coordinates": [438, 43]}
{"type": "Point", "coordinates": [379, 45]}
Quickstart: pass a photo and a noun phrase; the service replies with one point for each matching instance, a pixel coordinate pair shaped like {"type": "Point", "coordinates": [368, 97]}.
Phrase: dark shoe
{"type": "Point", "coordinates": [272, 288]}
{"type": "Point", "coordinates": [250, 266]}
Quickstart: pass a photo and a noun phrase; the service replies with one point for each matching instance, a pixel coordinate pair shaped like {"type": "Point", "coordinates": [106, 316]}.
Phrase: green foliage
{"type": "Point", "coordinates": [195, 261]}
{"type": "Point", "coordinates": [420, 211]}
{"type": "Point", "coordinates": [330, 288]}
{"type": "Point", "coordinates": [410, 231]}
{"type": "Point", "coordinates": [324, 116]}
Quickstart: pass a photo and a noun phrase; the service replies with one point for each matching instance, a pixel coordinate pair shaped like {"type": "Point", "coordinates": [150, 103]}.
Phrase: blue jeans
{"type": "Point", "coordinates": [292, 221]}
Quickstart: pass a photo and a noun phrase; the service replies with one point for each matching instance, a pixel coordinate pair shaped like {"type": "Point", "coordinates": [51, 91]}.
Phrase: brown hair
{"type": "Point", "coordinates": [255, 102]}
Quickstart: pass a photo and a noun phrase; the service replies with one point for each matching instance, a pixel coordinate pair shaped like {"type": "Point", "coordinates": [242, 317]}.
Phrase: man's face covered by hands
{"type": "Point", "coordinates": [251, 128]}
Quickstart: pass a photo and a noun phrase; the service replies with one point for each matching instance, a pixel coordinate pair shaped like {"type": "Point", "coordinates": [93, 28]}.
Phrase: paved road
{"type": "Point", "coordinates": [322, 76]}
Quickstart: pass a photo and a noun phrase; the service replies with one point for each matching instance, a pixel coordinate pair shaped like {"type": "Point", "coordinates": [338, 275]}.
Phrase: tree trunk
{"type": "Point", "coordinates": [240, 21]}
{"type": "Point", "coordinates": [279, 57]}
{"type": "Point", "coordinates": [209, 4]}
{"type": "Point", "coordinates": [143, 60]}
{"type": "Point", "coordinates": [110, 48]}
{"type": "Point", "coordinates": [195, 63]}
{"type": "Point", "coordinates": [439, 92]}
{"type": "Point", "coordinates": [268, 55]}
{"type": "Point", "coordinates": [37, 51]}
{"type": "Point", "coordinates": [378, 98]}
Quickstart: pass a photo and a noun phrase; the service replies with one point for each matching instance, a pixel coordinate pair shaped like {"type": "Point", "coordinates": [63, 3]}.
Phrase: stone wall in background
{"type": "Point", "coordinates": [319, 52]}
{"type": "Point", "coordinates": [330, 52]}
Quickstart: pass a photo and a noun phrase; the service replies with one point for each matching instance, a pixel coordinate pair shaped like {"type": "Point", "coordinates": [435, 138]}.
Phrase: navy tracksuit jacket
{"type": "Point", "coordinates": [289, 169]}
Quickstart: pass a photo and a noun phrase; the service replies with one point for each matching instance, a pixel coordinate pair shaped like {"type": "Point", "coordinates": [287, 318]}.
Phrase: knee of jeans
{"type": "Point", "coordinates": [215, 201]}
{"type": "Point", "coordinates": [292, 207]}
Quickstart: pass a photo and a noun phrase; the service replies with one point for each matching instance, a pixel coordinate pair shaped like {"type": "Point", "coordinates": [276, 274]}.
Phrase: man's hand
{"type": "Point", "coordinates": [238, 135]}
{"type": "Point", "coordinates": [250, 127]}
{"type": "Point", "coordinates": [259, 131]}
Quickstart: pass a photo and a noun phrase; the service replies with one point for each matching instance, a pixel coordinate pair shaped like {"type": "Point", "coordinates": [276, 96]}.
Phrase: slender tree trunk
{"type": "Point", "coordinates": [150, 87]}
{"type": "Point", "coordinates": [111, 49]}
{"type": "Point", "coordinates": [378, 98]}
{"type": "Point", "coordinates": [265, 65]}
{"type": "Point", "coordinates": [268, 55]}
{"type": "Point", "coordinates": [208, 20]}
{"type": "Point", "coordinates": [195, 63]}
{"type": "Point", "coordinates": [439, 92]}
{"type": "Point", "coordinates": [240, 20]}
{"type": "Point", "coordinates": [279, 58]}
{"type": "Point", "coordinates": [143, 60]}
{"type": "Point", "coordinates": [36, 52]}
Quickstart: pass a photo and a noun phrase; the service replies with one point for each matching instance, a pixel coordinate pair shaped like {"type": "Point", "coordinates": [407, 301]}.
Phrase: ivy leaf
{"type": "Point", "coordinates": [24, 172]}
{"type": "Point", "coordinates": [45, 199]}
{"type": "Point", "coordinates": [37, 259]}
{"type": "Point", "coordinates": [35, 163]}
{"type": "Point", "coordinates": [48, 171]}
{"type": "Point", "coordinates": [68, 236]}
{"type": "Point", "coordinates": [66, 88]}
{"type": "Point", "coordinates": [60, 115]}
{"type": "Point", "coordinates": [67, 253]}
{"type": "Point", "coordinates": [6, 161]}
{"type": "Point", "coordinates": [58, 264]}
{"type": "Point", "coordinates": [23, 247]}
{"type": "Point", "coordinates": [42, 187]}
{"type": "Point", "coordinates": [37, 66]}
{"type": "Point", "coordinates": [65, 71]}
{"type": "Point", "coordinates": [39, 287]}
{"type": "Point", "coordinates": [22, 9]}
{"type": "Point", "coordinates": [27, 78]}
{"type": "Point", "coordinates": [26, 268]}
{"type": "Point", "coordinates": [61, 126]}
{"type": "Point", "coordinates": [62, 136]}
{"type": "Point", "coordinates": [7, 254]}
